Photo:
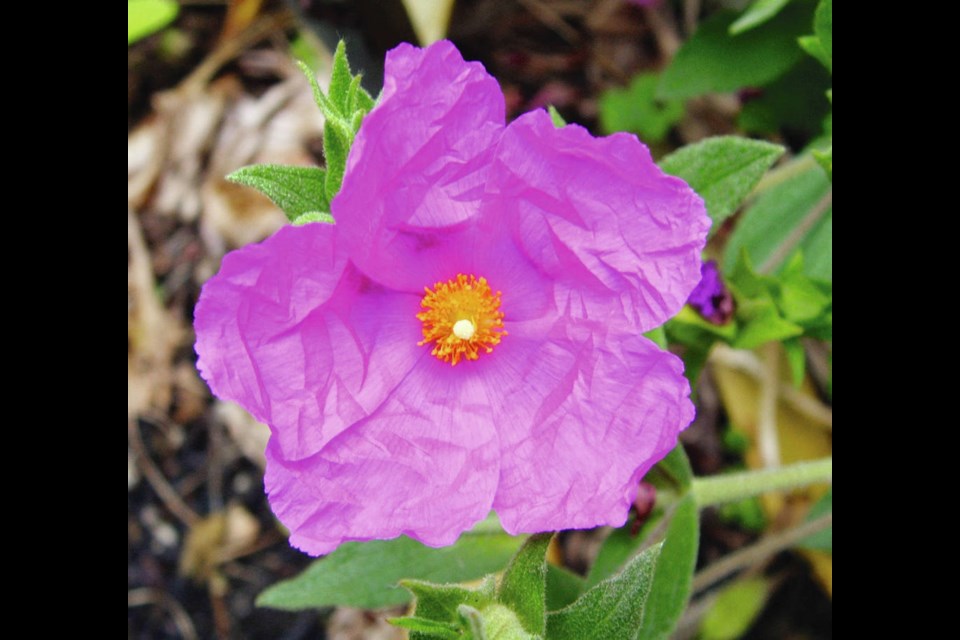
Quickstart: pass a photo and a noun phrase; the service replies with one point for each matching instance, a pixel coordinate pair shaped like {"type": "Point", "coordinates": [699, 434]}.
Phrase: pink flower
{"type": "Point", "coordinates": [467, 336]}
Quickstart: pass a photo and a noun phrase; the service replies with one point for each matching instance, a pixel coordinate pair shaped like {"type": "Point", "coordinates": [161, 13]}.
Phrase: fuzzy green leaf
{"type": "Point", "coordinates": [637, 109]}
{"type": "Point", "coordinates": [366, 574]}
{"type": "Point", "coordinates": [723, 170]}
{"type": "Point", "coordinates": [425, 629]}
{"type": "Point", "coordinates": [758, 13]}
{"type": "Point", "coordinates": [145, 17]}
{"type": "Point", "coordinates": [502, 623]}
{"type": "Point", "coordinates": [523, 587]}
{"type": "Point", "coordinates": [340, 80]}
{"type": "Point", "coordinates": [613, 608]}
{"type": "Point", "coordinates": [440, 601]}
{"type": "Point", "coordinates": [672, 475]}
{"type": "Point", "coordinates": [673, 576]}
{"type": "Point", "coordinates": [313, 216]}
{"type": "Point", "coordinates": [563, 587]}
{"type": "Point", "coordinates": [777, 217]}
{"type": "Point", "coordinates": [296, 190]}
{"type": "Point", "coordinates": [713, 61]}
{"type": "Point", "coordinates": [326, 106]}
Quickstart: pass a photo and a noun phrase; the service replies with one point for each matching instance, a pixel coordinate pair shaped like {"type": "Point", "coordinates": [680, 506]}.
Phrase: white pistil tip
{"type": "Point", "coordinates": [464, 329]}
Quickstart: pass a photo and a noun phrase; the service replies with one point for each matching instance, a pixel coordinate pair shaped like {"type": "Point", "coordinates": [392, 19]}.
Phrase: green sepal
{"type": "Point", "coordinates": [440, 601]}
{"type": "Point", "coordinates": [325, 105]}
{"type": "Point", "coordinates": [296, 190]}
{"type": "Point", "coordinates": [471, 621]}
{"type": "Point", "coordinates": [555, 117]}
{"type": "Point", "coordinates": [723, 170]}
{"type": "Point", "coordinates": [523, 586]}
{"type": "Point", "coordinates": [613, 608]}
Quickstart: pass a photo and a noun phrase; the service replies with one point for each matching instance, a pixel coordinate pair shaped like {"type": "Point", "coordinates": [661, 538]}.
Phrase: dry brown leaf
{"type": "Point", "coordinates": [247, 433]}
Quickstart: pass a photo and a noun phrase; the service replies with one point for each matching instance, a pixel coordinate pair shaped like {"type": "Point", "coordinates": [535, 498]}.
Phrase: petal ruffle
{"type": "Point", "coordinates": [600, 218]}
{"type": "Point", "coordinates": [418, 165]}
{"type": "Point", "coordinates": [425, 464]}
{"type": "Point", "coordinates": [582, 416]}
{"type": "Point", "coordinates": [300, 339]}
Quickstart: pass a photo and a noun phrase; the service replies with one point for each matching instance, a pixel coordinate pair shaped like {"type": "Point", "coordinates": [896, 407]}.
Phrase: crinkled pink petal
{"type": "Point", "coordinates": [418, 165]}
{"type": "Point", "coordinates": [300, 339]}
{"type": "Point", "coordinates": [600, 218]}
{"type": "Point", "coordinates": [582, 415]}
{"type": "Point", "coordinates": [425, 464]}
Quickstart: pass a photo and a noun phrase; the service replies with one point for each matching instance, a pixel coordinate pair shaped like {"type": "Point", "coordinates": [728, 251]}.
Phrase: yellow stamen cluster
{"type": "Point", "coordinates": [462, 317]}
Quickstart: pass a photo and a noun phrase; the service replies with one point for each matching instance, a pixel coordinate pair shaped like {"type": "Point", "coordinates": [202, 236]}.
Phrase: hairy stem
{"type": "Point", "coordinates": [713, 490]}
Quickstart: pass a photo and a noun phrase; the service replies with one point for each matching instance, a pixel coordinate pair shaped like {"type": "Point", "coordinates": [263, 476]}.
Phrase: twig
{"type": "Point", "coordinates": [747, 362]}
{"type": "Point", "coordinates": [767, 436]}
{"type": "Point", "coordinates": [154, 476]}
{"type": "Point", "coordinates": [548, 16]}
{"type": "Point", "coordinates": [766, 546]}
{"type": "Point", "coordinates": [144, 596]}
{"type": "Point", "coordinates": [792, 240]}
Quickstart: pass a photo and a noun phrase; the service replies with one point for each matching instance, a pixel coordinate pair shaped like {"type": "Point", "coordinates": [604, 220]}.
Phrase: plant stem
{"type": "Point", "coordinates": [731, 487]}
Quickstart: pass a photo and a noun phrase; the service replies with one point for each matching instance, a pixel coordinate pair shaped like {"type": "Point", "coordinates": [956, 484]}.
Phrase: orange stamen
{"type": "Point", "coordinates": [462, 317]}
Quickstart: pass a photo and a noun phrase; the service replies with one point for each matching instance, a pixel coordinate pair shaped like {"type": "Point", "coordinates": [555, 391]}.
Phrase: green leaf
{"type": "Point", "coordinates": [340, 80]}
{"type": "Point", "coordinates": [822, 540]}
{"type": "Point", "coordinates": [336, 146]}
{"type": "Point", "coordinates": [313, 216]}
{"type": "Point", "coordinates": [713, 61]}
{"type": "Point", "coordinates": [613, 608]}
{"type": "Point", "coordinates": [296, 190]}
{"type": "Point", "coordinates": [723, 170]}
{"type": "Point", "coordinates": [524, 583]}
{"type": "Point", "coordinates": [673, 576]}
{"type": "Point", "coordinates": [145, 17]}
{"type": "Point", "coordinates": [825, 160]}
{"type": "Point", "coordinates": [823, 28]}
{"type": "Point", "coordinates": [555, 117]}
{"type": "Point", "coordinates": [734, 610]}
{"type": "Point", "coordinates": [365, 574]}
{"type": "Point", "coordinates": [671, 476]}
{"type": "Point", "coordinates": [638, 110]}
{"type": "Point", "coordinates": [676, 467]}
{"type": "Point", "coordinates": [812, 45]}
{"type": "Point", "coordinates": [758, 13]}
{"type": "Point", "coordinates": [502, 623]}
{"type": "Point", "coordinates": [658, 336]}
{"type": "Point", "coordinates": [796, 102]}
{"type": "Point", "coordinates": [563, 587]}
{"type": "Point", "coordinates": [796, 358]}
{"type": "Point", "coordinates": [777, 217]}
{"type": "Point", "coordinates": [440, 601]}
{"type": "Point", "coordinates": [763, 324]}
{"type": "Point", "coordinates": [428, 629]}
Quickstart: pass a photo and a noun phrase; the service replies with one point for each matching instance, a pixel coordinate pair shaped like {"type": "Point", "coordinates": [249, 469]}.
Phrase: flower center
{"type": "Point", "coordinates": [461, 317]}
